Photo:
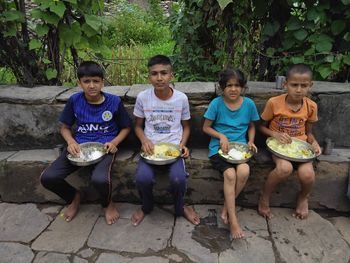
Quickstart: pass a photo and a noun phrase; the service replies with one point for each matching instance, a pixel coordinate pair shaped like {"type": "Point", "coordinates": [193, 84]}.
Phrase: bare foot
{"type": "Point", "coordinates": [264, 209]}
{"type": "Point", "coordinates": [236, 231]}
{"type": "Point", "coordinates": [111, 214]}
{"type": "Point", "coordinates": [72, 208]}
{"type": "Point", "coordinates": [224, 215]}
{"type": "Point", "coordinates": [137, 217]}
{"type": "Point", "coordinates": [302, 209]}
{"type": "Point", "coordinates": [191, 215]}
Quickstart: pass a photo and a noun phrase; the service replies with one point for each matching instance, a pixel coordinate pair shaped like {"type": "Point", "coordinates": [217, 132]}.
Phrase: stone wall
{"type": "Point", "coordinates": [29, 116]}
{"type": "Point", "coordinates": [29, 132]}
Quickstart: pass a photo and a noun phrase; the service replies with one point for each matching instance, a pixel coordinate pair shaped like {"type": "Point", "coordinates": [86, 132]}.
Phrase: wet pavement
{"type": "Point", "coordinates": [37, 233]}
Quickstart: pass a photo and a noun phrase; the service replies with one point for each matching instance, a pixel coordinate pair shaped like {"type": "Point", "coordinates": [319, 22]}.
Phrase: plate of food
{"type": "Point", "coordinates": [297, 151]}
{"type": "Point", "coordinates": [164, 153]}
{"type": "Point", "coordinates": [90, 153]}
{"type": "Point", "coordinates": [237, 153]}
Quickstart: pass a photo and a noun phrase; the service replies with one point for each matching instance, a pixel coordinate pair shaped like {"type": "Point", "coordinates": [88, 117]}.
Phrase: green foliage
{"type": "Point", "coordinates": [6, 76]}
{"type": "Point", "coordinates": [131, 24]}
{"type": "Point", "coordinates": [210, 35]}
{"type": "Point", "coordinates": [314, 33]}
{"type": "Point", "coordinates": [60, 25]}
{"type": "Point", "coordinates": [261, 38]}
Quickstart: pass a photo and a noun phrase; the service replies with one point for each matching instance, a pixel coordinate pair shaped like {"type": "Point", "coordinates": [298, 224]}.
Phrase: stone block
{"type": "Point", "coordinates": [19, 181]}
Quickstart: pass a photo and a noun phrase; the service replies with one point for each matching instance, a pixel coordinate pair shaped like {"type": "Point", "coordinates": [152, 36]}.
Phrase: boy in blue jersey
{"type": "Point", "coordinates": [98, 117]}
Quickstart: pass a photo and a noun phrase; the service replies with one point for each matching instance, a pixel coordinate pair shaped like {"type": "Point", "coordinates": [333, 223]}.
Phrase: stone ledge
{"type": "Point", "coordinates": [20, 172]}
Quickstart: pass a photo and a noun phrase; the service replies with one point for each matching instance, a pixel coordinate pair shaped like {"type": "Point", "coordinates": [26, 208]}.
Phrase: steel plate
{"type": "Point", "coordinates": [303, 144]}
{"type": "Point", "coordinates": [161, 161]}
{"type": "Point", "coordinates": [87, 149]}
{"type": "Point", "coordinates": [238, 146]}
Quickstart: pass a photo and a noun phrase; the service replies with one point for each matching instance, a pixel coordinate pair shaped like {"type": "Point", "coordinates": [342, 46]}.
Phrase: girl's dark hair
{"type": "Point", "coordinates": [230, 73]}
{"type": "Point", "coordinates": [89, 69]}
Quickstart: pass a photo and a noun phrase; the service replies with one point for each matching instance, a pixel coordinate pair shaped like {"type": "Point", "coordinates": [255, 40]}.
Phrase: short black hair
{"type": "Point", "coordinates": [159, 59]}
{"type": "Point", "coordinates": [231, 73]}
{"type": "Point", "coordinates": [90, 69]}
{"type": "Point", "coordinates": [299, 68]}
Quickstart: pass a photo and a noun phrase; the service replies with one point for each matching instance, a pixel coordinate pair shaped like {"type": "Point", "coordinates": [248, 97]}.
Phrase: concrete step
{"type": "Point", "coordinates": [20, 172]}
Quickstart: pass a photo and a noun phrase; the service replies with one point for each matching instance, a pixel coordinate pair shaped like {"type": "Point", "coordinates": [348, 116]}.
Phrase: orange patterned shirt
{"type": "Point", "coordinates": [282, 119]}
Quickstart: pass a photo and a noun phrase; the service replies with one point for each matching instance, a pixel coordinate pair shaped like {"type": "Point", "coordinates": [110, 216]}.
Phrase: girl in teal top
{"type": "Point", "coordinates": [230, 118]}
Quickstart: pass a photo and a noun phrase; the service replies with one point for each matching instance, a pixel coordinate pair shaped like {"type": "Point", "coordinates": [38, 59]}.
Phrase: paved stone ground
{"type": "Point", "coordinates": [37, 233]}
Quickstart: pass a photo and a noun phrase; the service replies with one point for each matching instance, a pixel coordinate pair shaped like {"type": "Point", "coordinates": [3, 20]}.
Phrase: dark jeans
{"type": "Point", "coordinates": [53, 178]}
{"type": "Point", "coordinates": [145, 179]}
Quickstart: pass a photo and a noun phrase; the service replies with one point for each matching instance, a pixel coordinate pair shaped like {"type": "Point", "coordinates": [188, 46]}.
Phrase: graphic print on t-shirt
{"type": "Point", "coordinates": [291, 126]}
{"type": "Point", "coordinates": [162, 120]}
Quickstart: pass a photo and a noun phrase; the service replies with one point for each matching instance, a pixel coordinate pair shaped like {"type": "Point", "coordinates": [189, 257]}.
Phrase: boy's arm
{"type": "Point", "coordinates": [124, 122]}
{"type": "Point", "coordinates": [147, 145]}
{"type": "Point", "coordinates": [185, 135]}
{"type": "Point", "coordinates": [280, 136]}
{"type": "Point", "coordinates": [251, 137]}
{"type": "Point", "coordinates": [66, 132]}
{"type": "Point", "coordinates": [311, 138]}
{"type": "Point", "coordinates": [213, 133]}
{"type": "Point", "coordinates": [112, 146]}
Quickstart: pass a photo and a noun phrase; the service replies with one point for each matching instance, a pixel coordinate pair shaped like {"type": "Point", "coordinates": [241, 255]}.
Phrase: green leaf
{"type": "Point", "coordinates": [34, 44]}
{"type": "Point", "coordinates": [345, 2]}
{"type": "Point", "coordinates": [71, 1]}
{"type": "Point", "coordinates": [13, 15]}
{"type": "Point", "coordinates": [48, 17]}
{"type": "Point", "coordinates": [58, 8]}
{"type": "Point", "coordinates": [324, 46]}
{"type": "Point", "coordinates": [293, 24]}
{"type": "Point", "coordinates": [347, 36]}
{"type": "Point", "coordinates": [271, 28]}
{"type": "Point", "coordinates": [310, 51]}
{"type": "Point", "coordinates": [224, 3]}
{"type": "Point", "coordinates": [312, 14]}
{"type": "Point", "coordinates": [329, 58]}
{"type": "Point", "coordinates": [337, 27]}
{"type": "Point", "coordinates": [11, 32]}
{"type": "Point", "coordinates": [324, 71]}
{"type": "Point", "coordinates": [270, 51]}
{"type": "Point", "coordinates": [88, 30]}
{"type": "Point", "coordinates": [93, 21]}
{"type": "Point", "coordinates": [70, 35]}
{"type": "Point", "coordinates": [51, 73]}
{"type": "Point", "coordinates": [297, 60]}
{"type": "Point", "coordinates": [346, 59]}
{"type": "Point", "coordinates": [288, 43]}
{"type": "Point", "coordinates": [46, 61]}
{"type": "Point", "coordinates": [301, 34]}
{"type": "Point", "coordinates": [41, 30]}
{"type": "Point", "coordinates": [335, 65]}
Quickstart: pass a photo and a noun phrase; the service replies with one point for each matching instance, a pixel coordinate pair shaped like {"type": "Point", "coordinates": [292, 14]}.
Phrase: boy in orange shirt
{"type": "Point", "coordinates": [290, 115]}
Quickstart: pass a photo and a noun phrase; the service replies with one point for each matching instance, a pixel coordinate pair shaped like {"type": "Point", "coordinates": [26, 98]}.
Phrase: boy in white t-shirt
{"type": "Point", "coordinates": [164, 112]}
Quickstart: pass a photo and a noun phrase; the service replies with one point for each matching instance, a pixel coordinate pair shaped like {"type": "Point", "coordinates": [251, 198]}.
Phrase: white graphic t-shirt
{"type": "Point", "coordinates": [162, 117]}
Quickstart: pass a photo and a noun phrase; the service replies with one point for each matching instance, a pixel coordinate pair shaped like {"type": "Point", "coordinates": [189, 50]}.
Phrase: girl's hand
{"type": "Point", "coordinates": [316, 147]}
{"type": "Point", "coordinates": [147, 147]}
{"type": "Point", "coordinates": [185, 151]}
{"type": "Point", "coordinates": [110, 147]}
{"type": "Point", "coordinates": [224, 144]}
{"type": "Point", "coordinates": [74, 149]}
{"type": "Point", "coordinates": [283, 137]}
{"type": "Point", "coordinates": [252, 147]}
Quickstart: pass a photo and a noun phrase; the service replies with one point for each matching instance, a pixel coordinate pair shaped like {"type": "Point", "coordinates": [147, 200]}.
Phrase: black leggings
{"type": "Point", "coordinates": [53, 178]}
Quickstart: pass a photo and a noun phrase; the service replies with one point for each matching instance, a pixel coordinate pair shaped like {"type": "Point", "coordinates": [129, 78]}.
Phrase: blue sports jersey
{"type": "Point", "coordinates": [232, 123]}
{"type": "Point", "coordinates": [95, 122]}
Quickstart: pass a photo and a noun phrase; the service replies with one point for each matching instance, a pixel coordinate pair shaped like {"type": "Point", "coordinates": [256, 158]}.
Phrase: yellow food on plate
{"type": "Point", "coordinates": [163, 151]}
{"type": "Point", "coordinates": [295, 149]}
